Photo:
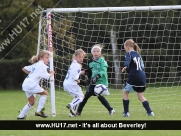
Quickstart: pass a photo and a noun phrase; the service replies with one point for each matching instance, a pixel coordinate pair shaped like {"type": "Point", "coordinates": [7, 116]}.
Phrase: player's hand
{"type": "Point", "coordinates": [94, 79]}
{"type": "Point", "coordinates": [123, 69]}
{"type": "Point", "coordinates": [52, 72]}
{"type": "Point", "coordinates": [78, 81]}
{"type": "Point", "coordinates": [82, 72]}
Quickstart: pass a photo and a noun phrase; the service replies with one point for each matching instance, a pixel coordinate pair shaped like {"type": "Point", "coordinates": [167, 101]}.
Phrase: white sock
{"type": "Point", "coordinates": [25, 110]}
{"type": "Point", "coordinates": [75, 107]}
{"type": "Point", "coordinates": [41, 102]}
{"type": "Point", "coordinates": [76, 101]}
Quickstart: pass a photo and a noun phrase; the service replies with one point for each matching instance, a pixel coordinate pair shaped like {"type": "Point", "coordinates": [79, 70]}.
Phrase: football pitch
{"type": "Point", "coordinates": [163, 104]}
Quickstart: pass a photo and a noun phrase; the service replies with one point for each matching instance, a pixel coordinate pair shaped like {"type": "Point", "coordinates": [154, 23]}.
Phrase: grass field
{"type": "Point", "coordinates": [165, 103]}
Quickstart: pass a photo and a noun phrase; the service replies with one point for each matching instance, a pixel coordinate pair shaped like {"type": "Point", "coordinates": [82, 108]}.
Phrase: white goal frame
{"type": "Point", "coordinates": [95, 9]}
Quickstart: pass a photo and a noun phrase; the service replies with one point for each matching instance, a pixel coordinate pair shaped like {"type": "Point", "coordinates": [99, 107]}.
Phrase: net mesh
{"type": "Point", "coordinates": [158, 34]}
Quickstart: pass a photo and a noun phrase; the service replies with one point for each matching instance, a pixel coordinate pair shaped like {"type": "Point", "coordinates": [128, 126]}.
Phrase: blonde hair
{"type": "Point", "coordinates": [78, 52]}
{"type": "Point", "coordinates": [131, 43]}
{"type": "Point", "coordinates": [41, 54]}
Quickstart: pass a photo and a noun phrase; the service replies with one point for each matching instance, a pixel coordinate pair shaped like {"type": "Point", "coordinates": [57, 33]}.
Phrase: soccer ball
{"type": "Point", "coordinates": [100, 90]}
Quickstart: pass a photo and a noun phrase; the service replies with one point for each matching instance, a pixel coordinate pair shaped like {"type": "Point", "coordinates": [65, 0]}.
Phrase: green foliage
{"type": "Point", "coordinates": [12, 75]}
{"type": "Point", "coordinates": [19, 13]}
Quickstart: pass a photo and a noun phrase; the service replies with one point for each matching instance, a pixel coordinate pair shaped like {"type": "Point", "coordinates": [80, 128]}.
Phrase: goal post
{"type": "Point", "coordinates": [50, 45]}
{"type": "Point", "coordinates": [156, 29]}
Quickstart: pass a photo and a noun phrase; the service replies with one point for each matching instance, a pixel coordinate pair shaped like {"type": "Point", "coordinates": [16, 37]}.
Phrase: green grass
{"type": "Point", "coordinates": [165, 102]}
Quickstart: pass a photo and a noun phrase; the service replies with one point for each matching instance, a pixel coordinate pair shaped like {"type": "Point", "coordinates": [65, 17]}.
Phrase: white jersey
{"type": "Point", "coordinates": [37, 71]}
{"type": "Point", "coordinates": [73, 73]}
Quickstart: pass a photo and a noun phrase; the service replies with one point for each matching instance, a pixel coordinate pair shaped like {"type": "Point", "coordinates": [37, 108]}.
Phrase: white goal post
{"type": "Point", "coordinates": [63, 30]}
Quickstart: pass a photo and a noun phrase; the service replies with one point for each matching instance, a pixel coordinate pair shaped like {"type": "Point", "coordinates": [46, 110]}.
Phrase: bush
{"type": "Point", "coordinates": [11, 73]}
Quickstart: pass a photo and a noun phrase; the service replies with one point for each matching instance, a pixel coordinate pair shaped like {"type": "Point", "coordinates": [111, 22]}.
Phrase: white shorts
{"type": "Point", "coordinates": [32, 91]}
{"type": "Point", "coordinates": [73, 90]}
{"type": "Point", "coordinates": [30, 94]}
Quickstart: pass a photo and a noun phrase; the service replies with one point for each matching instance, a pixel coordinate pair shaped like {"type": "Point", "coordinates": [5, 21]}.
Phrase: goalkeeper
{"type": "Point", "coordinates": [97, 73]}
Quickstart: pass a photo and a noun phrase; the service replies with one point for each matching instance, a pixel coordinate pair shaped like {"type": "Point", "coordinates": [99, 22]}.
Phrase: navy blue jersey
{"type": "Point", "coordinates": [135, 67]}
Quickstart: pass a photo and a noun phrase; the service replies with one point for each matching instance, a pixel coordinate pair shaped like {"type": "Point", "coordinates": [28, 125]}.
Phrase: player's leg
{"type": "Point", "coordinates": [106, 104]}
{"type": "Point", "coordinates": [89, 93]}
{"type": "Point", "coordinates": [127, 89]}
{"type": "Point", "coordinates": [27, 107]}
{"type": "Point", "coordinates": [76, 92]}
{"type": "Point", "coordinates": [145, 103]}
{"type": "Point", "coordinates": [126, 103]}
{"type": "Point", "coordinates": [68, 88]}
{"type": "Point", "coordinates": [71, 105]}
{"type": "Point", "coordinates": [74, 108]}
{"type": "Point", "coordinates": [78, 96]}
{"type": "Point", "coordinates": [41, 103]}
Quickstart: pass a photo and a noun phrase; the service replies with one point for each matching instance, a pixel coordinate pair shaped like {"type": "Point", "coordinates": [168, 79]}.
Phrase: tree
{"type": "Point", "coordinates": [19, 26]}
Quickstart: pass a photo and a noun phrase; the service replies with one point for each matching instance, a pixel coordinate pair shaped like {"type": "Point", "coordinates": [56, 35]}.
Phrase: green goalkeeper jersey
{"type": "Point", "coordinates": [99, 67]}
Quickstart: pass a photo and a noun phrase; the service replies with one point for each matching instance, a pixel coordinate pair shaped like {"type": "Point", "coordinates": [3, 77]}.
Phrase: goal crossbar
{"type": "Point", "coordinates": [107, 9]}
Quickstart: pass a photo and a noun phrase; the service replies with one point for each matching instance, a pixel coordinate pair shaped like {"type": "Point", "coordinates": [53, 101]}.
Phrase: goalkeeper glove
{"type": "Point", "coordinates": [94, 79]}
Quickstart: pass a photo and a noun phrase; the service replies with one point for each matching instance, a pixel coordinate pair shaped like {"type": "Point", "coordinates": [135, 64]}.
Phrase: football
{"type": "Point", "coordinates": [100, 90]}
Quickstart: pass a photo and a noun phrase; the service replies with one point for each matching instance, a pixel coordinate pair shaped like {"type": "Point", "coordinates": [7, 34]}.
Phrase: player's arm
{"type": "Point", "coordinates": [44, 73]}
{"type": "Point", "coordinates": [75, 75]}
{"type": "Point", "coordinates": [27, 69]}
{"type": "Point", "coordinates": [126, 62]}
{"type": "Point", "coordinates": [103, 69]}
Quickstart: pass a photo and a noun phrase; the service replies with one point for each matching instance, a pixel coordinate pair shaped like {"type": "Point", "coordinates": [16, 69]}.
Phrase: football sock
{"type": "Point", "coordinates": [41, 102]}
{"type": "Point", "coordinates": [76, 101]}
{"type": "Point", "coordinates": [75, 107]}
{"type": "Point", "coordinates": [126, 105]}
{"type": "Point", "coordinates": [146, 106]}
{"type": "Point", "coordinates": [25, 110]}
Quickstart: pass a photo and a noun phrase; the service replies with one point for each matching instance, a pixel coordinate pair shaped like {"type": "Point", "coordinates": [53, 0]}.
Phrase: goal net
{"type": "Point", "coordinates": [157, 31]}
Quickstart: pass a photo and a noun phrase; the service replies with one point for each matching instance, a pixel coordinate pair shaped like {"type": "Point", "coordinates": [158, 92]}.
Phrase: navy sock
{"type": "Point", "coordinates": [126, 105]}
{"type": "Point", "coordinates": [146, 106]}
{"type": "Point", "coordinates": [105, 103]}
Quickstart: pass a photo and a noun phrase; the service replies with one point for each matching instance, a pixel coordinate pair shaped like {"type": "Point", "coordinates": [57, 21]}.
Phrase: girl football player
{"type": "Point", "coordinates": [136, 77]}
{"type": "Point", "coordinates": [98, 73]}
{"type": "Point", "coordinates": [71, 82]}
{"type": "Point", "coordinates": [35, 72]}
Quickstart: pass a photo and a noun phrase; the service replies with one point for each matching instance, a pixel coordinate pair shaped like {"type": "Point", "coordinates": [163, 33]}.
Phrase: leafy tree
{"type": "Point", "coordinates": [19, 26]}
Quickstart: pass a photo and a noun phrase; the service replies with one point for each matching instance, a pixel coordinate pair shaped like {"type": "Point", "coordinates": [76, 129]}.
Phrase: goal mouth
{"type": "Point", "coordinates": [156, 29]}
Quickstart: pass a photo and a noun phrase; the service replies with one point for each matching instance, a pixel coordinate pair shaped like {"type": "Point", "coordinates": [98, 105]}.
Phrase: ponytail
{"type": "Point", "coordinates": [33, 59]}
{"type": "Point", "coordinates": [136, 47]}
{"type": "Point", "coordinates": [131, 43]}
{"type": "Point", "coordinates": [41, 54]}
